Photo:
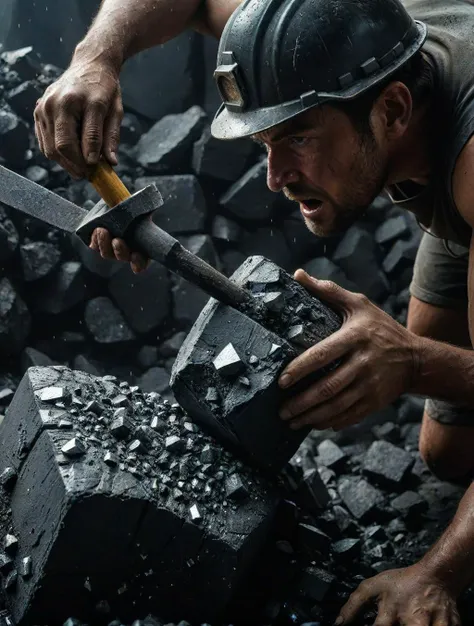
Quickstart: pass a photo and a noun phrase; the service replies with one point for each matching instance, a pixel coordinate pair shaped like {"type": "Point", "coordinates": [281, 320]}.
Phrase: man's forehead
{"type": "Point", "coordinates": [308, 120]}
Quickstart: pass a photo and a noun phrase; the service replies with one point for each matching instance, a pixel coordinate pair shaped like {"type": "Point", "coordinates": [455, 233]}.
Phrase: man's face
{"type": "Point", "coordinates": [321, 161]}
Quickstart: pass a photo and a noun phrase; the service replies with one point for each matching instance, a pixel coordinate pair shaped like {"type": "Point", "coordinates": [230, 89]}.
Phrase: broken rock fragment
{"type": "Point", "coordinates": [177, 549]}
{"type": "Point", "coordinates": [387, 464]}
{"type": "Point", "coordinates": [228, 362]}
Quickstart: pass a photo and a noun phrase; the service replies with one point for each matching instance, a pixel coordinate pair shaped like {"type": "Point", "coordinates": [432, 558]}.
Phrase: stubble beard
{"type": "Point", "coordinates": [368, 178]}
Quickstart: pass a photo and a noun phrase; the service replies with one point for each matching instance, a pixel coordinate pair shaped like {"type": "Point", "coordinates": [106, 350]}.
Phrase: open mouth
{"type": "Point", "coordinates": [310, 207]}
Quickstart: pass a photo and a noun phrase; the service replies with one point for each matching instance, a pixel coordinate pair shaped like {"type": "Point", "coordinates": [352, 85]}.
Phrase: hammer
{"type": "Point", "coordinates": [155, 243]}
{"type": "Point", "coordinates": [127, 217]}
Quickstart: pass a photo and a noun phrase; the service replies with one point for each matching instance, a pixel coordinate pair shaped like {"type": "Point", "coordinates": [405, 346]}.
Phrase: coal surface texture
{"type": "Point", "coordinates": [226, 373]}
{"type": "Point", "coordinates": [120, 500]}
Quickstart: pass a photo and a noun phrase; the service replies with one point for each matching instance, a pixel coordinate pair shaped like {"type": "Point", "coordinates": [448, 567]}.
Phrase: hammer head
{"type": "Point", "coordinates": [120, 217]}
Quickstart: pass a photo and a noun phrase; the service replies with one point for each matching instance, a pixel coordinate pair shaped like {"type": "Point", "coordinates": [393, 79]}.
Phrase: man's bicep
{"type": "Point", "coordinates": [213, 16]}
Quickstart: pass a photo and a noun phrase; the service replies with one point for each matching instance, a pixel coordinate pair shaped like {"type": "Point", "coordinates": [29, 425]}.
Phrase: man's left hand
{"type": "Point", "coordinates": [379, 363]}
{"type": "Point", "coordinates": [404, 597]}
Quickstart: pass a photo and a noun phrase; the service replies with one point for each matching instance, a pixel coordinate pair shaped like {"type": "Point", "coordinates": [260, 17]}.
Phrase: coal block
{"type": "Point", "coordinates": [34, 358]}
{"type": "Point", "coordinates": [249, 198]}
{"type": "Point", "coordinates": [14, 139]}
{"type": "Point", "coordinates": [410, 504]}
{"type": "Point", "coordinates": [324, 269]}
{"type": "Point", "coordinates": [168, 144]}
{"type": "Point", "coordinates": [270, 243]}
{"type": "Point", "coordinates": [315, 583]}
{"type": "Point", "coordinates": [330, 455]}
{"type": "Point", "coordinates": [388, 431]}
{"type": "Point", "coordinates": [387, 464]}
{"type": "Point", "coordinates": [361, 498]}
{"type": "Point", "coordinates": [411, 409]}
{"type": "Point", "coordinates": [8, 237]}
{"type": "Point", "coordinates": [224, 160]}
{"type": "Point", "coordinates": [242, 410]}
{"type": "Point", "coordinates": [72, 488]}
{"type": "Point", "coordinates": [15, 320]}
{"type": "Point", "coordinates": [303, 244]}
{"type": "Point", "coordinates": [143, 298]}
{"type": "Point", "coordinates": [358, 243]}
{"type": "Point", "coordinates": [23, 99]}
{"type": "Point", "coordinates": [171, 346]}
{"type": "Point", "coordinates": [312, 539]}
{"type": "Point", "coordinates": [184, 208]}
{"type": "Point", "coordinates": [105, 322]}
{"type": "Point", "coordinates": [391, 229]}
{"type": "Point", "coordinates": [155, 379]}
{"type": "Point", "coordinates": [64, 290]}
{"type": "Point", "coordinates": [24, 61]}
{"type": "Point", "coordinates": [401, 256]}
{"type": "Point", "coordinates": [225, 229]}
{"type": "Point", "coordinates": [346, 550]}
{"type": "Point", "coordinates": [38, 259]}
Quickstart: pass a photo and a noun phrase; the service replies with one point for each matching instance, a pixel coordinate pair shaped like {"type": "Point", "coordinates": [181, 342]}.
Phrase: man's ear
{"type": "Point", "coordinates": [393, 110]}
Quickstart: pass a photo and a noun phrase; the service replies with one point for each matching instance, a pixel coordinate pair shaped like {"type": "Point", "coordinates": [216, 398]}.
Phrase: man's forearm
{"type": "Point", "coordinates": [445, 372]}
{"type": "Point", "coordinates": [451, 559]}
{"type": "Point", "coordinates": [123, 28]}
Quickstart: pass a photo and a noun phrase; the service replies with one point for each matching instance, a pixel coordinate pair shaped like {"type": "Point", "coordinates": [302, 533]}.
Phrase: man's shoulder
{"type": "Point", "coordinates": [463, 182]}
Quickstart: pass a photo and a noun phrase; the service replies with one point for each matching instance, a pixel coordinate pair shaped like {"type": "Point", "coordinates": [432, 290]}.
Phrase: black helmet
{"type": "Point", "coordinates": [278, 58]}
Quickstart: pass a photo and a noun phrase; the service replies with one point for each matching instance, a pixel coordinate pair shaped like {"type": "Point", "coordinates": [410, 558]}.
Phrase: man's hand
{"type": "Point", "coordinates": [405, 597]}
{"type": "Point", "coordinates": [379, 363]}
{"type": "Point", "coordinates": [117, 249]}
{"type": "Point", "coordinates": [79, 116]}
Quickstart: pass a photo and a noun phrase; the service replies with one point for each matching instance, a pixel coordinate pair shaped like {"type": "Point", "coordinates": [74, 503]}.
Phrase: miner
{"type": "Point", "coordinates": [348, 99]}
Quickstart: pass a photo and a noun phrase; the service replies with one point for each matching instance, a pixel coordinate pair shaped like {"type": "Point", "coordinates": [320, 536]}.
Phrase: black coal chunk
{"type": "Point", "coordinates": [331, 455]}
{"type": "Point", "coordinates": [244, 413]}
{"type": "Point", "coordinates": [224, 160]}
{"type": "Point", "coordinates": [168, 144]}
{"type": "Point", "coordinates": [347, 550]}
{"type": "Point", "coordinates": [249, 198]}
{"type": "Point", "coordinates": [176, 550]}
{"type": "Point", "coordinates": [14, 139]}
{"type": "Point", "coordinates": [315, 583]}
{"type": "Point", "coordinates": [387, 464]}
{"type": "Point", "coordinates": [64, 290]}
{"type": "Point", "coordinates": [361, 498]}
{"type": "Point", "coordinates": [410, 504]}
{"type": "Point", "coordinates": [357, 242]}
{"type": "Point", "coordinates": [105, 322]}
{"type": "Point", "coordinates": [142, 298]}
{"type": "Point", "coordinates": [38, 259]}
{"type": "Point", "coordinates": [15, 319]}
{"type": "Point", "coordinates": [184, 208]}
{"type": "Point", "coordinates": [8, 237]}
{"type": "Point", "coordinates": [23, 98]}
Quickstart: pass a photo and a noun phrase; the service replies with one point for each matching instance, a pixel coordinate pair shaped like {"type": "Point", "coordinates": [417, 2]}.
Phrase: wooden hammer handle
{"type": "Point", "coordinates": [107, 184]}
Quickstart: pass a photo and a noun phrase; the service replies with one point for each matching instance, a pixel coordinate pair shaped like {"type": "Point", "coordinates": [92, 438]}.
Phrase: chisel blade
{"type": "Point", "coordinates": [21, 194]}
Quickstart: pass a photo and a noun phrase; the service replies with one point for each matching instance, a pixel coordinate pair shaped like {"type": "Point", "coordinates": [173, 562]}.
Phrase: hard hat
{"type": "Point", "coordinates": [278, 58]}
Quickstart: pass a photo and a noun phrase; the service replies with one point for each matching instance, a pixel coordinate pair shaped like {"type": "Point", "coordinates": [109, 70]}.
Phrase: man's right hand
{"type": "Point", "coordinates": [79, 116]}
{"type": "Point", "coordinates": [76, 121]}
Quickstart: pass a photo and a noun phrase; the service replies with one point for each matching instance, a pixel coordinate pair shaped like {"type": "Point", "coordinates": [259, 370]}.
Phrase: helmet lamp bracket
{"type": "Point", "coordinates": [229, 84]}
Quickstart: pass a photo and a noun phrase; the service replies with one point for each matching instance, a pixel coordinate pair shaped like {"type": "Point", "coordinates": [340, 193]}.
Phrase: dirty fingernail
{"type": "Point", "coordinates": [285, 380]}
{"type": "Point", "coordinates": [92, 157]}
{"type": "Point", "coordinates": [339, 621]}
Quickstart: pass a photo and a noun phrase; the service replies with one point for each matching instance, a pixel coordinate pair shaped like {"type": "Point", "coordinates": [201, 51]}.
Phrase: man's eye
{"type": "Point", "coordinates": [299, 141]}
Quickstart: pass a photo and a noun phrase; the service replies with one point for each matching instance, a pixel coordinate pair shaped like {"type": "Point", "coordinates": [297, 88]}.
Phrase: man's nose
{"type": "Point", "coordinates": [279, 173]}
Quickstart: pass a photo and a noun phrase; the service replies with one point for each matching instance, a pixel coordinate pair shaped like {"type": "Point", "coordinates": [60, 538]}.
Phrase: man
{"type": "Point", "coordinates": [347, 98]}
